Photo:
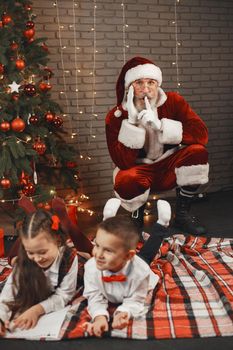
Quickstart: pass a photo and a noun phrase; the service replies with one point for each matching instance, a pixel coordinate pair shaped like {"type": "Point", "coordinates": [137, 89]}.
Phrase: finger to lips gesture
{"type": "Point", "coordinates": [147, 104]}
{"type": "Point", "coordinates": [149, 117]}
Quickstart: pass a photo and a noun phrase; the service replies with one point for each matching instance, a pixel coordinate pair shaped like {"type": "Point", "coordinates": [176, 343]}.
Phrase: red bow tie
{"type": "Point", "coordinates": [114, 278]}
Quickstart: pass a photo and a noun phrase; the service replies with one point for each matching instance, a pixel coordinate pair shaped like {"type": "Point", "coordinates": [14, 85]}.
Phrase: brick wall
{"type": "Point", "coordinates": [205, 59]}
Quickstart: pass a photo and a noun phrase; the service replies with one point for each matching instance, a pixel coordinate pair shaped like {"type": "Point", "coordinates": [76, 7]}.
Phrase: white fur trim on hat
{"type": "Point", "coordinates": [117, 113]}
{"type": "Point", "coordinates": [171, 132]}
{"type": "Point", "coordinates": [143, 71]}
{"type": "Point", "coordinates": [131, 135]}
{"type": "Point", "coordinates": [111, 207]}
{"type": "Point", "coordinates": [134, 203]}
{"type": "Point", "coordinates": [192, 175]}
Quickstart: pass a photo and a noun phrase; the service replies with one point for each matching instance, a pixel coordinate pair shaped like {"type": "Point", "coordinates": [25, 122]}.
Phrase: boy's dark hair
{"type": "Point", "coordinates": [124, 228]}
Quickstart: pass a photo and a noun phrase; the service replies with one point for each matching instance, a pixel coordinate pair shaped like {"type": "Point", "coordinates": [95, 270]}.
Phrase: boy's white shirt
{"type": "Point", "coordinates": [131, 294]}
{"type": "Point", "coordinates": [62, 295]}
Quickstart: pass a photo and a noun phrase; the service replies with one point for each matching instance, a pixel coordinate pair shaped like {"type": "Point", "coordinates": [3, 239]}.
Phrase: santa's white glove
{"type": "Point", "coordinates": [132, 111]}
{"type": "Point", "coordinates": [148, 117]}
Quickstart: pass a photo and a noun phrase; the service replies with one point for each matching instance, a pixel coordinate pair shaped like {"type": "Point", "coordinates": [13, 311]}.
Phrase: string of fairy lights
{"type": "Point", "coordinates": [77, 70]}
{"type": "Point", "coordinates": [64, 92]}
{"type": "Point", "coordinates": [85, 153]}
{"type": "Point", "coordinates": [82, 154]}
{"type": "Point", "coordinates": [93, 73]}
{"type": "Point", "coordinates": [175, 22]}
{"type": "Point", "coordinates": [175, 63]}
{"type": "Point", "coordinates": [124, 26]}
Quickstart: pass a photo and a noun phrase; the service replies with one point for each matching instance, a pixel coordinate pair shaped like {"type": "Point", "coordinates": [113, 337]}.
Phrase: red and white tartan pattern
{"type": "Point", "coordinates": [5, 270]}
{"type": "Point", "coordinates": [194, 296]}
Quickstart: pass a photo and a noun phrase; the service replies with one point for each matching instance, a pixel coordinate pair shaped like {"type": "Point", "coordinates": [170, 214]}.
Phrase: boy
{"type": "Point", "coordinates": [116, 274]}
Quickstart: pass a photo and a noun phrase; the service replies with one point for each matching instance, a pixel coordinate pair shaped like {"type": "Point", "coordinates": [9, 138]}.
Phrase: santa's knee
{"type": "Point", "coordinates": [196, 154]}
{"type": "Point", "coordinates": [129, 184]}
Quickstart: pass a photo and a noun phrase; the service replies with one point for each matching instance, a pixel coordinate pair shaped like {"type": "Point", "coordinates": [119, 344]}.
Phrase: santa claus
{"type": "Point", "coordinates": [157, 143]}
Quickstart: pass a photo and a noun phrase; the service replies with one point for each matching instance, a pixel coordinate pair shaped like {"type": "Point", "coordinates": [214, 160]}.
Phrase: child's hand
{"type": "Point", "coordinates": [98, 327]}
{"type": "Point", "coordinates": [120, 320]}
{"type": "Point", "coordinates": [29, 318]}
{"type": "Point", "coordinates": [2, 328]}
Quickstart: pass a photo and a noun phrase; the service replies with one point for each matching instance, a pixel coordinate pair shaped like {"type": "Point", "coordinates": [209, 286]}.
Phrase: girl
{"type": "Point", "coordinates": [80, 241]}
{"type": "Point", "coordinates": [44, 276]}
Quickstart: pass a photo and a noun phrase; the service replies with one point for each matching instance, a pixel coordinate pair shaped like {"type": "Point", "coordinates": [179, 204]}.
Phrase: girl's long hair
{"type": "Point", "coordinates": [31, 284]}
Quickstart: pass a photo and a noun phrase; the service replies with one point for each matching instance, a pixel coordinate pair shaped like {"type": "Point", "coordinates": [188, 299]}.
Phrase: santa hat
{"type": "Point", "coordinates": [136, 68]}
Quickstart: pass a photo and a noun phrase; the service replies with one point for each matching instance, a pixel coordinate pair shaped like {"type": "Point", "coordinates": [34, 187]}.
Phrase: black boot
{"type": "Point", "coordinates": [151, 247]}
{"type": "Point", "coordinates": [138, 216]}
{"type": "Point", "coordinates": [186, 223]}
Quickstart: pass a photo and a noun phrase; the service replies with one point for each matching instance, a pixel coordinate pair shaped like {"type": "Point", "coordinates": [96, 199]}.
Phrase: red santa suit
{"type": "Point", "coordinates": [148, 159]}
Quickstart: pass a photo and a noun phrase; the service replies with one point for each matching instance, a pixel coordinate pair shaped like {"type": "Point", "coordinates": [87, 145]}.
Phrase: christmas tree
{"type": "Point", "coordinates": [33, 153]}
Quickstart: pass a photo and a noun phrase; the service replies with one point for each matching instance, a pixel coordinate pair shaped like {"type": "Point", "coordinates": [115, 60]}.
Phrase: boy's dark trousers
{"type": "Point", "coordinates": [152, 245]}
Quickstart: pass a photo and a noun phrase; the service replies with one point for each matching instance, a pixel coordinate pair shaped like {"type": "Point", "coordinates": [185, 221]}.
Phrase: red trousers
{"type": "Point", "coordinates": [158, 176]}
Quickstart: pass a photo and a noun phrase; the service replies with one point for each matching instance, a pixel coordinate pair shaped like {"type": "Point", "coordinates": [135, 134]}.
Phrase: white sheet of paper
{"type": "Point", "coordinates": [48, 326]}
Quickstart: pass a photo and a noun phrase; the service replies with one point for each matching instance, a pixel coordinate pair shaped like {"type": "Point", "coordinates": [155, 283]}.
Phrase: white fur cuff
{"type": "Point", "coordinates": [111, 207]}
{"type": "Point", "coordinates": [192, 175]}
{"type": "Point", "coordinates": [171, 132]}
{"type": "Point", "coordinates": [134, 203]}
{"type": "Point", "coordinates": [131, 135]}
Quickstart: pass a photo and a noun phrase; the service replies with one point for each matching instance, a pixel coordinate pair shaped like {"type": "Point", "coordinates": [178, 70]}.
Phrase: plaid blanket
{"type": "Point", "coordinates": [194, 297]}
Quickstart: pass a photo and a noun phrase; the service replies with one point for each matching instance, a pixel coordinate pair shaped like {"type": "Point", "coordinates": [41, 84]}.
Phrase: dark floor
{"type": "Point", "coordinates": [216, 212]}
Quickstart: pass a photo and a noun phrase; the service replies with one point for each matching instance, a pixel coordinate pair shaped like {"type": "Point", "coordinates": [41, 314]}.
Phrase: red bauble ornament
{"type": "Point", "coordinates": [71, 165]}
{"type": "Point", "coordinates": [20, 64]}
{"type": "Point", "coordinates": [29, 33]}
{"type": "Point", "coordinates": [15, 96]}
{"type": "Point", "coordinates": [18, 124]}
{"type": "Point", "coordinates": [30, 40]}
{"type": "Point", "coordinates": [29, 89]}
{"type": "Point", "coordinates": [5, 183]}
{"type": "Point", "coordinates": [45, 47]}
{"type": "Point", "coordinates": [40, 205]}
{"type": "Point", "coordinates": [6, 19]}
{"type": "Point", "coordinates": [57, 121]}
{"type": "Point", "coordinates": [8, 90]}
{"type": "Point", "coordinates": [49, 117]}
{"type": "Point", "coordinates": [30, 24]}
{"type": "Point", "coordinates": [5, 126]}
{"type": "Point", "coordinates": [47, 206]}
{"type": "Point", "coordinates": [29, 189]}
{"type": "Point", "coordinates": [44, 86]}
{"type": "Point", "coordinates": [28, 7]}
{"type": "Point", "coordinates": [1, 68]}
{"type": "Point", "coordinates": [47, 73]}
{"type": "Point", "coordinates": [39, 147]}
{"type": "Point", "coordinates": [14, 46]}
{"type": "Point", "coordinates": [33, 119]}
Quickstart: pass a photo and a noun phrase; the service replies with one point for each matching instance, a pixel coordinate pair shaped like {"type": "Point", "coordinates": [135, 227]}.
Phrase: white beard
{"type": "Point", "coordinates": [152, 101]}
